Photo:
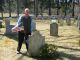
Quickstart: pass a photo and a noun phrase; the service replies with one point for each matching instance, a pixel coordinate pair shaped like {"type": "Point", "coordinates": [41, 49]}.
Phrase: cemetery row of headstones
{"type": "Point", "coordinates": [69, 21]}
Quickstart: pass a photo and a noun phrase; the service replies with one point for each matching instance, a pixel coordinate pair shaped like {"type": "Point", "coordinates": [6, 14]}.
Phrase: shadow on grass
{"type": "Point", "coordinates": [35, 57]}
{"type": "Point", "coordinates": [75, 49]}
{"type": "Point", "coordinates": [62, 57]}
{"type": "Point", "coordinates": [1, 36]}
{"type": "Point", "coordinates": [15, 37]}
{"type": "Point", "coordinates": [69, 56]}
{"type": "Point", "coordinates": [69, 37]}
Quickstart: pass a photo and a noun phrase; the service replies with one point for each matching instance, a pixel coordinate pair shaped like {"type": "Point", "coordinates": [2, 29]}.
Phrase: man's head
{"type": "Point", "coordinates": [26, 11]}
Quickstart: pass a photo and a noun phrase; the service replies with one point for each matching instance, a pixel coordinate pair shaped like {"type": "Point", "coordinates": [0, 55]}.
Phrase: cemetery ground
{"type": "Point", "coordinates": [67, 41]}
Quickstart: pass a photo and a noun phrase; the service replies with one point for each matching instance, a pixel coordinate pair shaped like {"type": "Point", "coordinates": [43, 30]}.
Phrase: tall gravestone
{"type": "Point", "coordinates": [8, 27]}
{"type": "Point", "coordinates": [78, 22]}
{"type": "Point", "coordinates": [53, 29]}
{"type": "Point", "coordinates": [36, 41]}
{"type": "Point", "coordinates": [33, 25]}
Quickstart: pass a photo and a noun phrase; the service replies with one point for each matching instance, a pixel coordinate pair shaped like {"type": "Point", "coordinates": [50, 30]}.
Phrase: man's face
{"type": "Point", "coordinates": [27, 12]}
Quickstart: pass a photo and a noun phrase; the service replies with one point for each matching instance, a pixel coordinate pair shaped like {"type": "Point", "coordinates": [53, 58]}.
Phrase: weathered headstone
{"type": "Point", "coordinates": [33, 25]}
{"type": "Point", "coordinates": [58, 18]}
{"type": "Point", "coordinates": [35, 42]}
{"type": "Point", "coordinates": [0, 23]}
{"type": "Point", "coordinates": [8, 27]}
{"type": "Point", "coordinates": [79, 25]}
{"type": "Point", "coordinates": [53, 29]}
{"type": "Point", "coordinates": [73, 20]}
{"type": "Point", "coordinates": [78, 22]}
{"type": "Point", "coordinates": [68, 21]}
{"type": "Point", "coordinates": [61, 22]}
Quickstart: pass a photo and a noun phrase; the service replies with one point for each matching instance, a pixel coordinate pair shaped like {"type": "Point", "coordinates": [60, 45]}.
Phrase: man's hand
{"type": "Point", "coordinates": [15, 29]}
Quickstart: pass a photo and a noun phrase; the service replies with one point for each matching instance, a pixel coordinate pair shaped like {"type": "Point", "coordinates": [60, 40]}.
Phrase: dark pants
{"type": "Point", "coordinates": [21, 37]}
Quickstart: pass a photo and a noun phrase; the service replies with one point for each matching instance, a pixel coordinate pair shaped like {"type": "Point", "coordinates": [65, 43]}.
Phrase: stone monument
{"type": "Point", "coordinates": [1, 23]}
{"type": "Point", "coordinates": [61, 22]}
{"type": "Point", "coordinates": [8, 27]}
{"type": "Point", "coordinates": [78, 22]}
{"type": "Point", "coordinates": [36, 40]}
{"type": "Point", "coordinates": [53, 29]}
{"type": "Point", "coordinates": [68, 20]}
{"type": "Point", "coordinates": [33, 25]}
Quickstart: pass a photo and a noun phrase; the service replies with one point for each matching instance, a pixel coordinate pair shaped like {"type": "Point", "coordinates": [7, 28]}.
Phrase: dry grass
{"type": "Point", "coordinates": [68, 42]}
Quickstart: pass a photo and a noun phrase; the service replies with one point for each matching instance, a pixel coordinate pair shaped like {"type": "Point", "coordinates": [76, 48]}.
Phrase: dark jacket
{"type": "Point", "coordinates": [26, 23]}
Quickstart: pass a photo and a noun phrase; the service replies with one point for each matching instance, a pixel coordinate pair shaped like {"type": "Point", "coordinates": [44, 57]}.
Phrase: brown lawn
{"type": "Point", "coordinates": [67, 42]}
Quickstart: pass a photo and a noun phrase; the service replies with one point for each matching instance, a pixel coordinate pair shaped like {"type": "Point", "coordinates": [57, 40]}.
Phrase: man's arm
{"type": "Point", "coordinates": [16, 27]}
{"type": "Point", "coordinates": [19, 23]}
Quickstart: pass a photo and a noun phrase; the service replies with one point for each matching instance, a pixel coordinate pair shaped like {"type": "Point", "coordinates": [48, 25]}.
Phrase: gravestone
{"type": "Point", "coordinates": [68, 20]}
{"type": "Point", "coordinates": [58, 18]}
{"type": "Point", "coordinates": [33, 25]}
{"type": "Point", "coordinates": [79, 25]}
{"type": "Point", "coordinates": [1, 23]}
{"type": "Point", "coordinates": [61, 22]}
{"type": "Point", "coordinates": [53, 29]}
{"type": "Point", "coordinates": [73, 20]}
{"type": "Point", "coordinates": [36, 40]}
{"type": "Point", "coordinates": [39, 17]}
{"type": "Point", "coordinates": [8, 27]}
{"type": "Point", "coordinates": [78, 22]}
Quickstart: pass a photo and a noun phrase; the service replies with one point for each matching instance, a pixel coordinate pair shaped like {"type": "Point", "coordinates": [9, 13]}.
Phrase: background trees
{"type": "Point", "coordinates": [51, 7]}
{"type": "Point", "coordinates": [1, 7]}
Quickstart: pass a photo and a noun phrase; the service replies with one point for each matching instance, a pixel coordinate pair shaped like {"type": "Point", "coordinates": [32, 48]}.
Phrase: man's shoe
{"type": "Point", "coordinates": [18, 52]}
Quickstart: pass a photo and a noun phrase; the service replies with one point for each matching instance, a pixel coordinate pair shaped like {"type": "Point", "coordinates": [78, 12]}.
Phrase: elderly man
{"type": "Point", "coordinates": [24, 28]}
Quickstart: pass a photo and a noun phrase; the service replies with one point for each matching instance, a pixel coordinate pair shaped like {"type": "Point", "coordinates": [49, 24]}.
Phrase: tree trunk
{"type": "Point", "coordinates": [49, 4]}
{"type": "Point", "coordinates": [36, 3]}
{"type": "Point", "coordinates": [65, 7]}
{"type": "Point", "coordinates": [73, 9]}
{"type": "Point", "coordinates": [9, 8]}
{"type": "Point", "coordinates": [2, 14]}
{"type": "Point", "coordinates": [57, 7]}
{"type": "Point", "coordinates": [17, 8]}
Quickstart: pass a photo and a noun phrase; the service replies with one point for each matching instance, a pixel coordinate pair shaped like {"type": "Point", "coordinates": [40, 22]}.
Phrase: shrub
{"type": "Point", "coordinates": [49, 51]}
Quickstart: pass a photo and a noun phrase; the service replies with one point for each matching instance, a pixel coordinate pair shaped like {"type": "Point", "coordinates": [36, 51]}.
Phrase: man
{"type": "Point", "coordinates": [23, 28]}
